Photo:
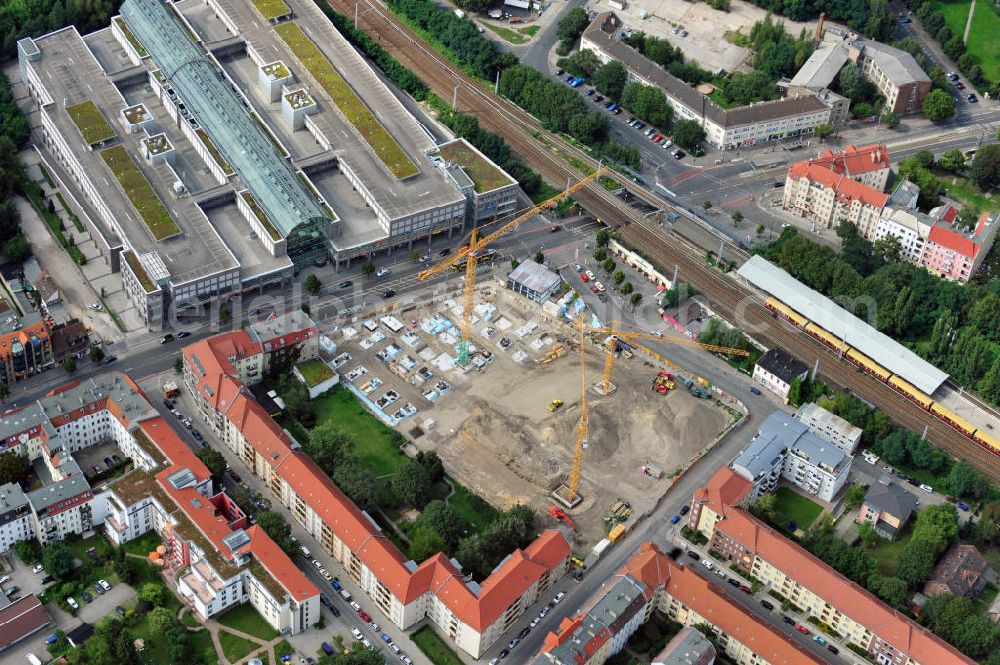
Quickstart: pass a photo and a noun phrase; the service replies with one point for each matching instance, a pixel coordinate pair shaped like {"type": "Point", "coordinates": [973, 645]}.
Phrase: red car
{"type": "Point", "coordinates": [802, 629]}
{"type": "Point", "coordinates": [657, 138]}
{"type": "Point", "coordinates": [235, 476]}
{"type": "Point", "coordinates": [554, 229]}
{"type": "Point", "coordinates": [593, 289]}
{"type": "Point", "coordinates": [744, 588]}
{"type": "Point", "coordinates": [364, 615]}
{"type": "Point", "coordinates": [584, 277]}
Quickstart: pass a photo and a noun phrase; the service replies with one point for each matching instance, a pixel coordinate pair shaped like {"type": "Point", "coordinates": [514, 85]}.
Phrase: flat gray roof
{"type": "Point", "coordinates": [534, 276]}
{"type": "Point", "coordinates": [822, 66]}
{"type": "Point", "coordinates": [856, 333]}
{"type": "Point", "coordinates": [780, 432]}
{"type": "Point", "coordinates": [50, 495]}
{"type": "Point", "coordinates": [71, 73]}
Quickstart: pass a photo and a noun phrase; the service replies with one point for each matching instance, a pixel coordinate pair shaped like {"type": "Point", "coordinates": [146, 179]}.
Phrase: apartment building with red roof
{"type": "Point", "coordinates": [719, 512]}
{"type": "Point", "coordinates": [215, 558]}
{"type": "Point", "coordinates": [473, 616]}
{"type": "Point", "coordinates": [837, 186]}
{"type": "Point", "coordinates": [651, 581]}
{"type": "Point", "coordinates": [955, 253]}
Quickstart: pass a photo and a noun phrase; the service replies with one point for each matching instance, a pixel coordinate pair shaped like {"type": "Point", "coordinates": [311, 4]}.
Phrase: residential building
{"type": "Point", "coordinates": [20, 620]}
{"type": "Point", "coordinates": [472, 615]}
{"type": "Point", "coordinates": [896, 74]}
{"type": "Point", "coordinates": [777, 369]}
{"type": "Point", "coordinates": [842, 186]}
{"type": "Point", "coordinates": [651, 581]}
{"type": "Point", "coordinates": [785, 568]}
{"type": "Point", "coordinates": [953, 253]}
{"type": "Point", "coordinates": [887, 507]}
{"type": "Point", "coordinates": [688, 647]}
{"type": "Point", "coordinates": [25, 344]}
{"type": "Point", "coordinates": [220, 560]}
{"type": "Point", "coordinates": [533, 280]}
{"type": "Point", "coordinates": [833, 428]}
{"type": "Point", "coordinates": [962, 571]}
{"type": "Point", "coordinates": [246, 169]}
{"type": "Point", "coordinates": [727, 129]}
{"type": "Point", "coordinates": [785, 449]}
{"type": "Point", "coordinates": [910, 228]}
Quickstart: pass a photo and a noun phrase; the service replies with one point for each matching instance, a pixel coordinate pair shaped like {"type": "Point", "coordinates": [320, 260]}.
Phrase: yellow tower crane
{"type": "Point", "coordinates": [614, 334]}
{"type": "Point", "coordinates": [581, 430]}
{"type": "Point", "coordinates": [470, 253]}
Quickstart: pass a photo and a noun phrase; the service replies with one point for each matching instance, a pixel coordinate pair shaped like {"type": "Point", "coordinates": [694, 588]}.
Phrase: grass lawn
{"type": "Point", "coordinates": [887, 553]}
{"type": "Point", "coordinates": [315, 372]}
{"type": "Point", "coordinates": [272, 9]}
{"type": "Point", "coordinates": [144, 544]}
{"type": "Point", "coordinates": [474, 509]}
{"type": "Point", "coordinates": [103, 549]}
{"type": "Point", "coordinates": [353, 108]}
{"type": "Point", "coordinates": [189, 620]}
{"type": "Point", "coordinates": [90, 121]}
{"type": "Point", "coordinates": [985, 598]}
{"type": "Point", "coordinates": [235, 648]}
{"type": "Point", "coordinates": [966, 192]}
{"type": "Point", "coordinates": [792, 507]}
{"type": "Point", "coordinates": [376, 446]}
{"type": "Point", "coordinates": [201, 643]}
{"type": "Point", "coordinates": [531, 30]}
{"type": "Point", "coordinates": [435, 648]}
{"type": "Point", "coordinates": [485, 177]}
{"type": "Point", "coordinates": [506, 33]}
{"type": "Point", "coordinates": [246, 619]}
{"type": "Point", "coordinates": [281, 648]}
{"type": "Point", "coordinates": [140, 193]}
{"type": "Point", "coordinates": [983, 45]}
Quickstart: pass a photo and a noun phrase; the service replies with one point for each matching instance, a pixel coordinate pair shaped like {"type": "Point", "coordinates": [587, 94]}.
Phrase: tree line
{"type": "Point", "coordinates": [38, 17]}
{"type": "Point", "coordinates": [951, 325]}
{"type": "Point", "coordinates": [14, 135]}
{"type": "Point", "coordinates": [874, 19]}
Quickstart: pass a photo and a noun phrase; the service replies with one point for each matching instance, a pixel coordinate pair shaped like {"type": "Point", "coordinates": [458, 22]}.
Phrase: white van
{"type": "Point", "coordinates": [33, 659]}
{"type": "Point", "coordinates": [345, 594]}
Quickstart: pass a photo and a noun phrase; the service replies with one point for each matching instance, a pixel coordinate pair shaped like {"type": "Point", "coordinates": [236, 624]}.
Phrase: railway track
{"type": "Point", "coordinates": [550, 155]}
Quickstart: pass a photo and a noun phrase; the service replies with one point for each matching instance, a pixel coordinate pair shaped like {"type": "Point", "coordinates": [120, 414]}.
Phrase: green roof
{"type": "Point", "coordinates": [213, 150]}
{"type": "Point", "coordinates": [272, 9]}
{"type": "Point", "coordinates": [353, 108]}
{"type": "Point", "coordinates": [484, 175]}
{"type": "Point", "coordinates": [315, 371]}
{"type": "Point", "coordinates": [90, 121]}
{"type": "Point", "coordinates": [261, 215]}
{"type": "Point", "coordinates": [131, 37]}
{"type": "Point", "coordinates": [140, 193]}
{"type": "Point", "coordinates": [140, 272]}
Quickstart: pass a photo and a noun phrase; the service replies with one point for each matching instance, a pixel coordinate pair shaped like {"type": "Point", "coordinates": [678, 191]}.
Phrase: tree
{"type": "Point", "coordinates": [966, 482]}
{"type": "Point", "coordinates": [13, 468]}
{"type": "Point", "coordinates": [444, 519]}
{"type": "Point", "coordinates": [938, 105]}
{"type": "Point", "coordinates": [618, 277]}
{"type": "Point", "coordinates": [608, 265]}
{"type": "Point", "coordinates": [936, 526]}
{"type": "Point", "coordinates": [153, 593]}
{"type": "Point", "coordinates": [855, 496]}
{"type": "Point", "coordinates": [178, 365]}
{"type": "Point", "coordinates": [539, 256]}
{"type": "Point", "coordinates": [892, 590]}
{"type": "Point", "coordinates": [985, 168]}
{"type": "Point", "coordinates": [214, 462]}
{"type": "Point", "coordinates": [274, 525]}
{"type": "Point", "coordinates": [706, 204]}
{"type": "Point", "coordinates": [635, 299]}
{"type": "Point", "coordinates": [425, 542]}
{"type": "Point", "coordinates": [737, 218]}
{"type": "Point", "coordinates": [689, 134]}
{"type": "Point", "coordinates": [647, 102]}
{"type": "Point", "coordinates": [368, 268]}
{"type": "Point", "coordinates": [610, 79]}
{"type": "Point", "coordinates": [890, 119]}
{"type": "Point", "coordinates": [627, 288]}
{"type": "Point", "coordinates": [358, 484]}
{"type": "Point", "coordinates": [25, 551]}
{"type": "Point", "coordinates": [330, 445]}
{"type": "Point", "coordinates": [915, 564]}
{"type": "Point", "coordinates": [69, 365]}
{"type": "Point", "coordinates": [954, 47]}
{"type": "Point", "coordinates": [952, 160]}
{"type": "Point", "coordinates": [311, 284]}
{"type": "Point", "coordinates": [57, 560]}
{"type": "Point", "coordinates": [766, 507]}
{"type": "Point", "coordinates": [601, 239]}
{"type": "Point", "coordinates": [412, 484]}
{"type": "Point", "coordinates": [582, 63]}
{"type": "Point", "coordinates": [989, 386]}
{"type": "Point", "coordinates": [17, 249]}
{"type": "Point", "coordinates": [432, 462]}
{"type": "Point", "coordinates": [572, 26]}
{"type": "Point", "coordinates": [589, 127]}
{"type": "Point", "coordinates": [159, 619]}
{"type": "Point", "coordinates": [866, 531]}
{"type": "Point", "coordinates": [96, 354]}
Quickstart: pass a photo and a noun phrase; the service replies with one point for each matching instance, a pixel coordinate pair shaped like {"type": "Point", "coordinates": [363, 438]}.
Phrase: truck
{"type": "Point", "coordinates": [600, 547]}
{"type": "Point", "coordinates": [617, 532]}
{"type": "Point", "coordinates": [170, 389]}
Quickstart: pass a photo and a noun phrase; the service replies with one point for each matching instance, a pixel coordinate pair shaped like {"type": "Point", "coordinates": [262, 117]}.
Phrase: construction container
{"type": "Point", "coordinates": [651, 469]}
{"type": "Point", "coordinates": [600, 547]}
{"type": "Point", "coordinates": [616, 533]}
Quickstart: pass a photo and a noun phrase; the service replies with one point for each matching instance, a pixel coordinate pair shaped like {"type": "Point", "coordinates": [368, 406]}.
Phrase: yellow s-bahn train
{"type": "Point", "coordinates": [874, 369]}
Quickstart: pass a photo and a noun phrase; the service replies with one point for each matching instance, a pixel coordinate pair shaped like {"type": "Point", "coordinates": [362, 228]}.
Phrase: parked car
{"type": "Point", "coordinates": [675, 519]}
{"type": "Point", "coordinates": [382, 272]}
{"type": "Point", "coordinates": [182, 334]}
{"type": "Point", "coordinates": [14, 589]}
{"type": "Point", "coordinates": [169, 337]}
{"type": "Point", "coordinates": [524, 633]}
{"type": "Point", "coordinates": [95, 306]}
{"type": "Point", "coordinates": [99, 589]}
{"type": "Point", "coordinates": [787, 619]}
{"type": "Point", "coordinates": [336, 612]}
{"type": "Point", "coordinates": [356, 633]}
{"type": "Point", "coordinates": [684, 509]}
{"type": "Point", "coordinates": [559, 596]}
{"type": "Point", "coordinates": [832, 649]}
{"type": "Point", "coordinates": [37, 569]}
{"type": "Point", "coordinates": [235, 476]}
{"type": "Point", "coordinates": [745, 588]}
{"type": "Point", "coordinates": [389, 293]}
{"type": "Point", "coordinates": [365, 616]}
{"type": "Point", "coordinates": [679, 154]}
{"type": "Point", "coordinates": [196, 434]}
{"type": "Point", "coordinates": [767, 605]}
{"type": "Point", "coordinates": [802, 629]}
{"type": "Point", "coordinates": [598, 99]}
{"type": "Point", "coordinates": [335, 583]}
{"type": "Point", "coordinates": [927, 488]}
{"type": "Point", "coordinates": [52, 639]}
{"type": "Point", "coordinates": [513, 643]}
{"type": "Point", "coordinates": [819, 640]}
{"type": "Point", "coordinates": [324, 599]}
{"type": "Point", "coordinates": [972, 99]}
{"type": "Point", "coordinates": [48, 579]}
{"type": "Point", "coordinates": [755, 390]}
{"type": "Point", "coordinates": [120, 610]}
{"type": "Point", "coordinates": [961, 505]}
{"type": "Point", "coordinates": [694, 555]}
{"type": "Point", "coordinates": [735, 582]}
{"type": "Point", "coordinates": [72, 603]}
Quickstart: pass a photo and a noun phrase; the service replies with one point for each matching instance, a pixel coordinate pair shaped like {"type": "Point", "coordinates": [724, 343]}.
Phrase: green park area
{"type": "Point", "coordinates": [983, 43]}
{"type": "Point", "coordinates": [435, 648]}
{"type": "Point", "coordinates": [791, 507]}
{"type": "Point", "coordinates": [246, 619]}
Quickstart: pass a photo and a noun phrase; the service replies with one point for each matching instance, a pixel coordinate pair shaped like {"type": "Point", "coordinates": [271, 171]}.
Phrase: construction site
{"type": "Point", "coordinates": [507, 425]}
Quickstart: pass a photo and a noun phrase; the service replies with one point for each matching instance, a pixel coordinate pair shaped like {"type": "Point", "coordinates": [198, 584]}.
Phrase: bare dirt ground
{"type": "Point", "coordinates": [495, 434]}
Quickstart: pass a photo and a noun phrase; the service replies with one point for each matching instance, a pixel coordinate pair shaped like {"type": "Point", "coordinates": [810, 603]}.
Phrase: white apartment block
{"type": "Point", "coordinates": [833, 428]}
{"type": "Point", "coordinates": [909, 228]}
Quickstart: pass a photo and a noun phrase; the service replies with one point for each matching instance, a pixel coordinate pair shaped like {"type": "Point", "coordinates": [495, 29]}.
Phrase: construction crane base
{"type": "Point", "coordinates": [602, 390]}
{"type": "Point", "coordinates": [561, 494]}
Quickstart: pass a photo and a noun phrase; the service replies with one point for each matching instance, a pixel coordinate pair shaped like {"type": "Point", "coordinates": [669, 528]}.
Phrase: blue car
{"type": "Point", "coordinates": [327, 649]}
{"type": "Point", "coordinates": [675, 519]}
{"type": "Point", "coordinates": [52, 639]}
{"type": "Point", "coordinates": [961, 505]}
{"type": "Point", "coordinates": [386, 639]}
{"type": "Point", "coordinates": [335, 584]}
{"type": "Point", "coordinates": [755, 391]}
{"type": "Point", "coordinates": [577, 82]}
{"type": "Point", "coordinates": [570, 78]}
